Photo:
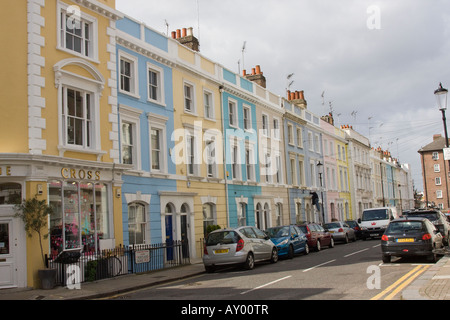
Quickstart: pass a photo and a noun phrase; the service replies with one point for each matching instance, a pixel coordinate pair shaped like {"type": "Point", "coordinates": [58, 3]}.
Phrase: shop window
{"type": "Point", "coordinates": [80, 215]}
{"type": "Point", "coordinates": [10, 193]}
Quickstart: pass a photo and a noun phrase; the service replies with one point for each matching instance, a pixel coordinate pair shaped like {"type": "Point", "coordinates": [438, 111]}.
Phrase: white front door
{"type": "Point", "coordinates": [8, 245]}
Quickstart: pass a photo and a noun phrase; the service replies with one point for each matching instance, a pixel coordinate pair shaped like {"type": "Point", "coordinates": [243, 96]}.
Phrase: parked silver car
{"type": "Point", "coordinates": [244, 245]}
{"type": "Point", "coordinates": [340, 231]}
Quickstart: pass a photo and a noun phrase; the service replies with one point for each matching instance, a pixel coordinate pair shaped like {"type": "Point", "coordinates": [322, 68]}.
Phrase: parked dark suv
{"type": "Point", "coordinates": [317, 236]}
{"type": "Point", "coordinates": [436, 217]}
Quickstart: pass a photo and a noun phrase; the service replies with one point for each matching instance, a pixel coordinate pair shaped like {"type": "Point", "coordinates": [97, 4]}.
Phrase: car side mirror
{"type": "Point", "coordinates": [359, 220]}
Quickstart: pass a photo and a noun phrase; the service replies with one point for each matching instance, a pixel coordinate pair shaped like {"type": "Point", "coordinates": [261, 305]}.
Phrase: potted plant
{"type": "Point", "coordinates": [34, 213]}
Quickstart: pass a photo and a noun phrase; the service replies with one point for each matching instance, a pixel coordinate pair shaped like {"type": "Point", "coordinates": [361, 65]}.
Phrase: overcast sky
{"type": "Point", "coordinates": [378, 62]}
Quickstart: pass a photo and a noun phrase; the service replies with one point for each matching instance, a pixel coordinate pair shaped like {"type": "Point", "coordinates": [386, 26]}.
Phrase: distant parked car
{"type": "Point", "coordinates": [340, 231]}
{"type": "Point", "coordinates": [356, 227]}
{"type": "Point", "coordinates": [317, 236]}
{"type": "Point", "coordinates": [289, 240]}
{"type": "Point", "coordinates": [411, 236]}
{"type": "Point", "coordinates": [244, 245]}
{"type": "Point", "coordinates": [436, 217]}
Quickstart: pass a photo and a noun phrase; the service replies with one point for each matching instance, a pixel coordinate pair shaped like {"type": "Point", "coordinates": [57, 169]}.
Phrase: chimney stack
{"type": "Point", "coordinates": [297, 98]}
{"type": "Point", "coordinates": [186, 37]}
{"type": "Point", "coordinates": [256, 76]}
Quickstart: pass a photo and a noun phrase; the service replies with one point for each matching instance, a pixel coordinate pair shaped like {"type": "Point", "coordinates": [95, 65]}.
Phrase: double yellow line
{"type": "Point", "coordinates": [401, 283]}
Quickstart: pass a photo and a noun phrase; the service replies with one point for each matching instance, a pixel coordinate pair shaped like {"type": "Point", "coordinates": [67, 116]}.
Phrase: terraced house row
{"type": "Point", "coordinates": [135, 137]}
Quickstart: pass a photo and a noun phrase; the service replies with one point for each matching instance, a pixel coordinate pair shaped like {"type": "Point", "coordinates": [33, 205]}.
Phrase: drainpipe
{"type": "Point", "coordinates": [224, 156]}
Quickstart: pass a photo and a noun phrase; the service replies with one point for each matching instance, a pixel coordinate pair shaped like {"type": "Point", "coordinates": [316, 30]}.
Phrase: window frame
{"type": "Point", "coordinates": [192, 99]}
{"type": "Point", "coordinates": [159, 122]}
{"type": "Point", "coordinates": [132, 116]}
{"type": "Point", "coordinates": [61, 30]}
{"type": "Point", "coordinates": [160, 91]}
{"type": "Point", "coordinates": [134, 77]}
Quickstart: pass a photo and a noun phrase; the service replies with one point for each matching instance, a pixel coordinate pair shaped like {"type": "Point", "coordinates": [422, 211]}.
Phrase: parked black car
{"type": "Point", "coordinates": [355, 226]}
{"type": "Point", "coordinates": [411, 236]}
{"type": "Point", "coordinates": [436, 217]}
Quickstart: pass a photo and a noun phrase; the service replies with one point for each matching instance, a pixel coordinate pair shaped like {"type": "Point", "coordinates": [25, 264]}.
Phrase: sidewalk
{"type": "Point", "coordinates": [107, 287]}
{"type": "Point", "coordinates": [433, 284]}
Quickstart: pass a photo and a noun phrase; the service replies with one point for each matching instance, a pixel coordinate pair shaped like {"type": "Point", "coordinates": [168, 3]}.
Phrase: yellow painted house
{"type": "Point", "coordinates": [58, 133]}
{"type": "Point", "coordinates": [198, 139]}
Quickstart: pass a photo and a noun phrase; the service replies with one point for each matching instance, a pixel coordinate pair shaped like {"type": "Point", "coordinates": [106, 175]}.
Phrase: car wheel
{"type": "Point", "coordinates": [318, 246]}
{"type": "Point", "coordinates": [386, 258]}
{"type": "Point", "coordinates": [291, 252]}
{"type": "Point", "coordinates": [331, 243]}
{"type": "Point", "coordinates": [306, 249]}
{"type": "Point", "coordinates": [346, 238]}
{"type": "Point", "coordinates": [274, 257]}
{"type": "Point", "coordinates": [250, 262]}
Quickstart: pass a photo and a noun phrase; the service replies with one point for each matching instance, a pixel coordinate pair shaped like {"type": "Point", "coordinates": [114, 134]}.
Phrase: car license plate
{"type": "Point", "coordinates": [221, 251]}
{"type": "Point", "coordinates": [405, 240]}
{"type": "Point", "coordinates": [374, 234]}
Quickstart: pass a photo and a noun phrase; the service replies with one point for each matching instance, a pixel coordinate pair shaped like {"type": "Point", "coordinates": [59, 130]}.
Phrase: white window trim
{"type": "Point", "coordinates": [265, 131]}
{"type": "Point", "coordinates": [68, 79]}
{"type": "Point", "coordinates": [299, 141]}
{"type": "Point", "coordinates": [251, 149]}
{"type": "Point", "coordinates": [249, 108]}
{"type": "Point", "coordinates": [439, 194]}
{"type": "Point", "coordinates": [291, 138]}
{"type": "Point", "coordinates": [132, 115]}
{"type": "Point", "coordinates": [63, 7]}
{"type": "Point", "coordinates": [209, 136]}
{"type": "Point", "coordinates": [212, 110]}
{"type": "Point", "coordinates": [276, 131]}
{"type": "Point", "coordinates": [235, 115]}
{"type": "Point", "coordinates": [235, 143]}
{"type": "Point", "coordinates": [158, 122]}
{"type": "Point", "coordinates": [134, 86]}
{"type": "Point", "coordinates": [161, 90]}
{"type": "Point", "coordinates": [193, 110]}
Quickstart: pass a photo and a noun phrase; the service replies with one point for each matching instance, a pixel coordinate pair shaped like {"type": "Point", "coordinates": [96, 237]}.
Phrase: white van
{"type": "Point", "coordinates": [374, 221]}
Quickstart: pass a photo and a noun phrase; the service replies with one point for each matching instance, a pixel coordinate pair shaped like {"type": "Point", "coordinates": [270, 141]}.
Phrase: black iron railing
{"type": "Point", "coordinates": [76, 267]}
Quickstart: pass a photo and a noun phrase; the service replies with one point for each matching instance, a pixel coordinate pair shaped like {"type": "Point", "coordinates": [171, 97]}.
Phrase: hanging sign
{"type": "Point", "coordinates": [446, 153]}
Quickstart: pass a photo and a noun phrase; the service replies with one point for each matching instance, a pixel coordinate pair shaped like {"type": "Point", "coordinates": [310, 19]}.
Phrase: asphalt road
{"type": "Point", "coordinates": [351, 271]}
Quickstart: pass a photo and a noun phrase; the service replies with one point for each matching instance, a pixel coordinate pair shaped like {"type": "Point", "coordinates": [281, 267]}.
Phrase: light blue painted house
{"type": "Point", "coordinates": [145, 112]}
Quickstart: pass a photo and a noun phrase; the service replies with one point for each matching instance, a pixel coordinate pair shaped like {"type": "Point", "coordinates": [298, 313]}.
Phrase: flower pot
{"type": "Point", "coordinates": [48, 278]}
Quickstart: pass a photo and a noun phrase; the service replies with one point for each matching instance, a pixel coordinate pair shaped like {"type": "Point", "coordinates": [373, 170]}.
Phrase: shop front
{"type": "Point", "coordinates": [85, 197]}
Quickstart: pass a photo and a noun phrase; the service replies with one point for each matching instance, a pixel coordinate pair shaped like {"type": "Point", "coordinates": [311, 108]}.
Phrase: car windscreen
{"type": "Point", "coordinates": [351, 223]}
{"type": "Point", "coordinates": [222, 237]}
{"type": "Point", "coordinates": [332, 225]}
{"type": "Point", "coordinates": [370, 215]}
{"type": "Point", "coordinates": [405, 227]}
{"type": "Point", "coordinates": [278, 232]}
{"type": "Point", "coordinates": [432, 216]}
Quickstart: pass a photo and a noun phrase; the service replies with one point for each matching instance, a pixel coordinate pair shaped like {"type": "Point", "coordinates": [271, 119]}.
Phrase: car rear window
{"type": "Point", "coordinates": [222, 237]}
{"type": "Point", "coordinates": [332, 225]}
{"type": "Point", "coordinates": [432, 216]}
{"type": "Point", "coordinates": [405, 227]}
{"type": "Point", "coordinates": [278, 232]}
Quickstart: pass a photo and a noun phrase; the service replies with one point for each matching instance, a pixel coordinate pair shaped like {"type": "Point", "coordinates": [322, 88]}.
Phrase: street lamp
{"type": "Point", "coordinates": [320, 170]}
{"type": "Point", "coordinates": [441, 98]}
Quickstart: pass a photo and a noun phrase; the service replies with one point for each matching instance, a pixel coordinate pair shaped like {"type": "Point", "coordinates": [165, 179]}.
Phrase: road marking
{"type": "Point", "coordinates": [376, 245]}
{"type": "Point", "coordinates": [306, 270]}
{"type": "Point", "coordinates": [397, 286]}
{"type": "Point", "coordinates": [350, 254]}
{"type": "Point", "coordinates": [265, 285]}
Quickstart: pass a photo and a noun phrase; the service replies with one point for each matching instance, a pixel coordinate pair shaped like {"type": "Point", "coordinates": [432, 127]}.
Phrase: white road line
{"type": "Point", "coordinates": [306, 270]}
{"type": "Point", "coordinates": [265, 285]}
{"type": "Point", "coordinates": [376, 245]}
{"type": "Point", "coordinates": [350, 254]}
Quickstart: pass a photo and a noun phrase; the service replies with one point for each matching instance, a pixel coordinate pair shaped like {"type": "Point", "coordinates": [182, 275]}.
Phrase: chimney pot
{"type": "Point", "coordinates": [253, 71]}
{"type": "Point", "coordinates": [301, 95]}
{"type": "Point", "coordinates": [178, 33]}
{"type": "Point", "coordinates": [244, 72]}
{"type": "Point", "coordinates": [258, 69]}
{"type": "Point", "coordinates": [190, 31]}
{"type": "Point", "coordinates": [184, 33]}
{"type": "Point", "coordinates": [174, 34]}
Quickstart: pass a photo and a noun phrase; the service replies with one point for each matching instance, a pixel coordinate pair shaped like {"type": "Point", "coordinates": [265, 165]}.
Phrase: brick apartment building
{"type": "Point", "coordinates": [435, 173]}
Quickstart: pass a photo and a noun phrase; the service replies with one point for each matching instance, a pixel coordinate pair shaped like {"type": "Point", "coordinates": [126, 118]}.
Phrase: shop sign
{"type": "Point", "coordinates": [142, 256]}
{"type": "Point", "coordinates": [5, 171]}
{"type": "Point", "coordinates": [70, 173]}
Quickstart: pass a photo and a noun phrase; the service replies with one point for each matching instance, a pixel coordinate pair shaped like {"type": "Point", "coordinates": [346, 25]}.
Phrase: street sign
{"type": "Point", "coordinates": [446, 153]}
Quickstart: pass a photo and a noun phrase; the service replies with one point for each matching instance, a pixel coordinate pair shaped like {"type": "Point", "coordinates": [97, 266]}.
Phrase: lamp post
{"type": "Point", "coordinates": [441, 98]}
{"type": "Point", "coordinates": [320, 170]}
